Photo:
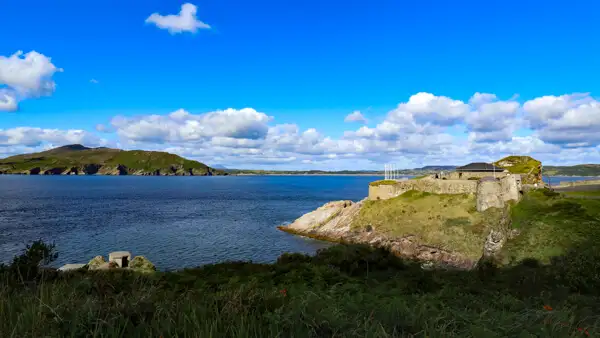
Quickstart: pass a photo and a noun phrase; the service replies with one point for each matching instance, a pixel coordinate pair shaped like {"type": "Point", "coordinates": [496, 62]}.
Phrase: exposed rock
{"type": "Point", "coordinates": [333, 222]}
{"type": "Point", "coordinates": [142, 264]}
{"type": "Point", "coordinates": [71, 267]}
{"type": "Point", "coordinates": [96, 262]}
{"type": "Point", "coordinates": [54, 171]}
{"type": "Point", "coordinates": [107, 266]}
{"type": "Point", "coordinates": [493, 243]}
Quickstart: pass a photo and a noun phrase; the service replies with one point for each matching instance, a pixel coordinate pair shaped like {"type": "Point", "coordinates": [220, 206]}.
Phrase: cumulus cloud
{"type": "Point", "coordinates": [25, 76]}
{"type": "Point", "coordinates": [94, 81]}
{"type": "Point", "coordinates": [439, 110]}
{"type": "Point", "coordinates": [7, 101]}
{"type": "Point", "coordinates": [35, 137]}
{"type": "Point", "coordinates": [425, 129]}
{"type": "Point", "coordinates": [356, 116]}
{"type": "Point", "coordinates": [568, 120]}
{"type": "Point", "coordinates": [182, 126]}
{"type": "Point", "coordinates": [490, 119]}
{"type": "Point", "coordinates": [185, 21]}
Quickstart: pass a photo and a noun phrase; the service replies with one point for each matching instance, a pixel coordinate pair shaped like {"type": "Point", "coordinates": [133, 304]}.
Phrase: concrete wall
{"type": "Point", "coordinates": [383, 192]}
{"type": "Point", "coordinates": [492, 193]}
{"type": "Point", "coordinates": [453, 175]}
{"type": "Point", "coordinates": [489, 194]}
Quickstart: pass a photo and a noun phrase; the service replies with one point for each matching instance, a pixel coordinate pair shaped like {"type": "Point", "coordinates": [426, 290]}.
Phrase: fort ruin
{"type": "Point", "coordinates": [492, 186]}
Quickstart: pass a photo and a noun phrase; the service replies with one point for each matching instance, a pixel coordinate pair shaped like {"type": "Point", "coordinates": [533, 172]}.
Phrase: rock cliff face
{"type": "Point", "coordinates": [333, 222]}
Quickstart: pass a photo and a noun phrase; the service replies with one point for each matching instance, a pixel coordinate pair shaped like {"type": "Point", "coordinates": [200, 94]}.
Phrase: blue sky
{"type": "Point", "coordinates": [306, 65]}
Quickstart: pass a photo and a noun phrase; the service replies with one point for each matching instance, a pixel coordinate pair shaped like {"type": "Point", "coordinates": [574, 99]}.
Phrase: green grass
{"type": "Point", "coordinates": [448, 222]}
{"type": "Point", "coordinates": [521, 165]}
{"type": "Point", "coordinates": [576, 170]}
{"type": "Point", "coordinates": [343, 291]}
{"type": "Point", "coordinates": [383, 182]}
{"type": "Point", "coordinates": [550, 224]}
{"type": "Point", "coordinates": [419, 177]}
{"type": "Point", "coordinates": [592, 193]}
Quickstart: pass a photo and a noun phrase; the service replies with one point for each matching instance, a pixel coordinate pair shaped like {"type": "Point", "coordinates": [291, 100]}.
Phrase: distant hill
{"type": "Point", "coordinates": [77, 159]}
{"type": "Point", "coordinates": [575, 170]}
{"type": "Point", "coordinates": [219, 166]}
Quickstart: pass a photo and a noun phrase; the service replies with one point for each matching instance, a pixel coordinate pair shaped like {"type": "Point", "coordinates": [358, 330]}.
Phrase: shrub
{"type": "Point", "coordinates": [25, 267]}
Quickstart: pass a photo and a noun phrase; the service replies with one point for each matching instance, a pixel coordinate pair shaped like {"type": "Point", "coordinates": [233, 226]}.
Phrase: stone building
{"type": "Point", "coordinates": [474, 170]}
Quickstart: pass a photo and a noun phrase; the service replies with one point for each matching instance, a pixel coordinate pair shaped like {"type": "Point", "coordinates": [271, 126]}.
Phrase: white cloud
{"type": "Point", "coordinates": [182, 126]}
{"type": "Point", "coordinates": [25, 76]}
{"type": "Point", "coordinates": [34, 137]}
{"type": "Point", "coordinates": [355, 116]}
{"type": "Point", "coordinates": [438, 110]}
{"type": "Point", "coordinates": [7, 101]}
{"type": "Point", "coordinates": [568, 120]}
{"type": "Point", "coordinates": [426, 129]}
{"type": "Point", "coordinates": [491, 120]}
{"type": "Point", "coordinates": [185, 21]}
{"type": "Point", "coordinates": [94, 81]}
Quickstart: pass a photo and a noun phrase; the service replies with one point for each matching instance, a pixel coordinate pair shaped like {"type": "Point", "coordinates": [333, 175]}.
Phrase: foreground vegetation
{"type": "Point", "coordinates": [342, 291]}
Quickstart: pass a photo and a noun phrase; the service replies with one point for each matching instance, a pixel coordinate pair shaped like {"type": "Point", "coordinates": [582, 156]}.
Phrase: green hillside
{"type": "Point", "coordinates": [576, 170]}
{"type": "Point", "coordinates": [527, 166]}
{"type": "Point", "coordinates": [79, 160]}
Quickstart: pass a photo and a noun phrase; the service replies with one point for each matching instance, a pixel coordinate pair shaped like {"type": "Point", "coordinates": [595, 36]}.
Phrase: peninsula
{"type": "Point", "coordinates": [77, 159]}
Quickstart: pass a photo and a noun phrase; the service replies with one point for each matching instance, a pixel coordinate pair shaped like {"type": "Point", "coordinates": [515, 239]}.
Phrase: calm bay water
{"type": "Point", "coordinates": [174, 221]}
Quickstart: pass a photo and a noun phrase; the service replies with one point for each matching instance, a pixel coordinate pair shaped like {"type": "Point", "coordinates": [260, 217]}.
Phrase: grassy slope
{"type": "Point", "coordinates": [551, 225]}
{"type": "Point", "coordinates": [449, 222]}
{"type": "Point", "coordinates": [152, 160]}
{"type": "Point", "coordinates": [68, 157]}
{"type": "Point", "coordinates": [576, 170]}
{"type": "Point", "coordinates": [343, 291]}
{"type": "Point", "coordinates": [521, 165]}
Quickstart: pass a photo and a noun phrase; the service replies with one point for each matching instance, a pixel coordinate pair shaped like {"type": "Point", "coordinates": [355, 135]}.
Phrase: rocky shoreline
{"type": "Point", "coordinates": [110, 170]}
{"type": "Point", "coordinates": [332, 222]}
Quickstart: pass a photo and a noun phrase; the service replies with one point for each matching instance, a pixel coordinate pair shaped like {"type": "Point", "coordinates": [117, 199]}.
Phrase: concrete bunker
{"type": "Point", "coordinates": [122, 258]}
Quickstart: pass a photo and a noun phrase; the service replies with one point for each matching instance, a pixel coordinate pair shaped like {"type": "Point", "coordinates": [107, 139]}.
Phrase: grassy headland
{"type": "Point", "coordinates": [448, 222]}
{"type": "Point", "coordinates": [342, 291]}
{"type": "Point", "coordinates": [77, 159]}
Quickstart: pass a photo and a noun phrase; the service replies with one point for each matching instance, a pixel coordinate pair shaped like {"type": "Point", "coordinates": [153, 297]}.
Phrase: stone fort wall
{"type": "Point", "coordinates": [489, 192]}
{"type": "Point", "coordinates": [453, 175]}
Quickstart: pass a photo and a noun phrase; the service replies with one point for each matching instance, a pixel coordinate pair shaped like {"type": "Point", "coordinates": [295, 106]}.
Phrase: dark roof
{"type": "Point", "coordinates": [479, 166]}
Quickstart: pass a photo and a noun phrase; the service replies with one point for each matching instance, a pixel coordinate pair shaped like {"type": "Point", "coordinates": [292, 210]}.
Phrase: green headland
{"type": "Point", "coordinates": [80, 160]}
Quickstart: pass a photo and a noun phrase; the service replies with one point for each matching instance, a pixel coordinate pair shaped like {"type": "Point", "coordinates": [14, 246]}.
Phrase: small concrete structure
{"type": "Point", "coordinates": [122, 258]}
{"type": "Point", "coordinates": [69, 267]}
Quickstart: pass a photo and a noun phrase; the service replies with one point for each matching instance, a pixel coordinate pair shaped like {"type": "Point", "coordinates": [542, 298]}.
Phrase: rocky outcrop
{"type": "Point", "coordinates": [333, 222]}
{"type": "Point", "coordinates": [142, 264]}
{"type": "Point", "coordinates": [96, 263]}
{"type": "Point", "coordinates": [116, 260]}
